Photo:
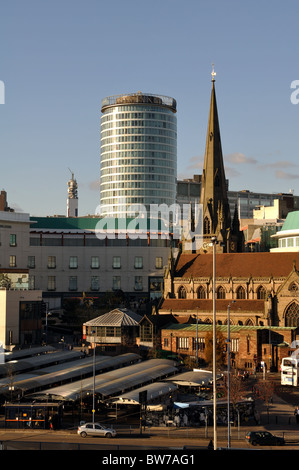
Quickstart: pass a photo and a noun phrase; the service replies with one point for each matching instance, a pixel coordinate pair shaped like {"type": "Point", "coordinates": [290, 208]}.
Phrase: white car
{"type": "Point", "coordinates": [95, 429]}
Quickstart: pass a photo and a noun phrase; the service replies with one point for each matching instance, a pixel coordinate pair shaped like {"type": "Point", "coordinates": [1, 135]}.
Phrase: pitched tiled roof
{"type": "Point", "coordinates": [206, 305]}
{"type": "Point", "coordinates": [236, 264]}
{"type": "Point", "coordinates": [117, 317]}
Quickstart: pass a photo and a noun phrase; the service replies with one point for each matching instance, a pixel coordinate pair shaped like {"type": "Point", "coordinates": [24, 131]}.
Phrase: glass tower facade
{"type": "Point", "coordinates": [138, 152]}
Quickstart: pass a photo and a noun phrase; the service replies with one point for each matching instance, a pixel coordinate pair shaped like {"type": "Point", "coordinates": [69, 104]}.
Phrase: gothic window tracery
{"type": "Point", "coordinates": [207, 225]}
{"type": "Point", "coordinates": [261, 293]}
{"type": "Point", "coordinates": [182, 294]}
{"type": "Point", "coordinates": [201, 292]}
{"type": "Point", "coordinates": [220, 292]}
{"type": "Point", "coordinates": [241, 294]}
{"type": "Point", "coordinates": [292, 315]}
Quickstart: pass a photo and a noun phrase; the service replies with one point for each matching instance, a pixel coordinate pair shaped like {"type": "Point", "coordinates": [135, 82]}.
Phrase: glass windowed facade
{"type": "Point", "coordinates": [138, 152]}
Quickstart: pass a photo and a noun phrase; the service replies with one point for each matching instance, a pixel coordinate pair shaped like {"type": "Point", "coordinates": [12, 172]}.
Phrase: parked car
{"type": "Point", "coordinates": [95, 429]}
{"type": "Point", "coordinates": [264, 438]}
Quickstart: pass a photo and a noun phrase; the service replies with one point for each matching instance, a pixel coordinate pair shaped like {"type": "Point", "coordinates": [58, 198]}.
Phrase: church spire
{"type": "Point", "coordinates": [213, 185]}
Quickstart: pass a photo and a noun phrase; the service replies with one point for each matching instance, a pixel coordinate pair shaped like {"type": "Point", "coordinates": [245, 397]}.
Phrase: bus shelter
{"type": "Point", "coordinates": [33, 415]}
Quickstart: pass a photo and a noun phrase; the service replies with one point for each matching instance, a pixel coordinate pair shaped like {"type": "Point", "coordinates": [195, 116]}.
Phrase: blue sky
{"type": "Point", "coordinates": [59, 59]}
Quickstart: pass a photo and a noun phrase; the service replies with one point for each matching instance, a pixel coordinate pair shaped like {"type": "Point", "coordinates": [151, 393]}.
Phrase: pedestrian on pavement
{"type": "Point", "coordinates": [296, 413]}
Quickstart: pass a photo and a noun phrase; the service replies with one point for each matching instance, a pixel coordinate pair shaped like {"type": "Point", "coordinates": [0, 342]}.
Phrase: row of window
{"type": "Point", "coordinates": [136, 144]}
{"type": "Point", "coordinates": [138, 130]}
{"type": "Point", "coordinates": [95, 262]}
{"type": "Point", "coordinates": [94, 241]}
{"type": "Point", "coordinates": [115, 160]}
{"type": "Point", "coordinates": [94, 283]}
{"type": "Point", "coordinates": [138, 123]}
{"type": "Point", "coordinates": [139, 185]}
{"type": "Point", "coordinates": [144, 112]}
{"type": "Point", "coordinates": [157, 116]}
{"type": "Point", "coordinates": [221, 292]}
{"type": "Point", "coordinates": [141, 138]}
{"type": "Point", "coordinates": [141, 193]}
{"type": "Point", "coordinates": [198, 344]}
{"type": "Point", "coordinates": [143, 170]}
{"type": "Point", "coordinates": [288, 242]}
{"type": "Point", "coordinates": [114, 177]}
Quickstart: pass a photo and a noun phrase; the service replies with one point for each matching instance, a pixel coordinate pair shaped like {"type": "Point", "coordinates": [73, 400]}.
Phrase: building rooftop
{"type": "Point", "coordinates": [137, 99]}
{"type": "Point", "coordinates": [263, 265]}
{"type": "Point", "coordinates": [90, 223]}
{"type": "Point", "coordinates": [202, 327]}
{"type": "Point", "coordinates": [291, 222]}
{"type": "Point", "coordinates": [205, 306]}
{"type": "Point", "coordinates": [117, 317]}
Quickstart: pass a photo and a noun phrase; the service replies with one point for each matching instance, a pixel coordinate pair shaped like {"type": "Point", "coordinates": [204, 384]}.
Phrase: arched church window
{"type": "Point", "coordinates": [241, 292]}
{"type": "Point", "coordinates": [207, 225]}
{"type": "Point", "coordinates": [261, 292]}
{"type": "Point", "coordinates": [292, 315]}
{"type": "Point", "coordinates": [182, 294]}
{"type": "Point", "coordinates": [201, 292]}
{"type": "Point", "coordinates": [220, 292]}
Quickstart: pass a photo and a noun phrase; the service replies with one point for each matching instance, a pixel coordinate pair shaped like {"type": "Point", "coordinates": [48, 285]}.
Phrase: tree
{"type": "Point", "coordinates": [220, 349]}
{"type": "Point", "coordinates": [265, 391]}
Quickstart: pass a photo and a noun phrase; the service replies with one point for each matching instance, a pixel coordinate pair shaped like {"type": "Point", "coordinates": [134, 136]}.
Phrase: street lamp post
{"type": "Point", "coordinates": [197, 338]}
{"type": "Point", "coordinates": [228, 374]}
{"type": "Point", "coordinates": [269, 319]}
{"type": "Point", "coordinates": [214, 241]}
{"type": "Point", "coordinates": [94, 374]}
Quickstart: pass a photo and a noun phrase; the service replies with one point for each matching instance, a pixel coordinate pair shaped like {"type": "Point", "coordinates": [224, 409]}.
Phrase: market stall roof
{"type": "Point", "coordinates": [194, 378]}
{"type": "Point", "coordinates": [154, 391]}
{"type": "Point", "coordinates": [114, 382]}
{"type": "Point", "coordinates": [60, 373]}
{"type": "Point", "coordinates": [30, 363]}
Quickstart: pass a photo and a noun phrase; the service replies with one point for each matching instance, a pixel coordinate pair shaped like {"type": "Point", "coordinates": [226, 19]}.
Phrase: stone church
{"type": "Point", "coordinates": [216, 217]}
{"type": "Point", "coordinates": [261, 290]}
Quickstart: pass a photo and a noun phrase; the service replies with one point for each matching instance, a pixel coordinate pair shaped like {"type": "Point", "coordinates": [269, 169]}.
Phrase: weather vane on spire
{"type": "Point", "coordinates": [213, 73]}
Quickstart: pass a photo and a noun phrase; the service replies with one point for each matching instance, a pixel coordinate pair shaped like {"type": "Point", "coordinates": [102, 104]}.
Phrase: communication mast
{"type": "Point", "coordinates": [72, 200]}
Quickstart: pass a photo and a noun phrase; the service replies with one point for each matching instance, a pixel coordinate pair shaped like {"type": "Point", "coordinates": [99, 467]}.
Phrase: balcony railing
{"type": "Point", "coordinates": [139, 98]}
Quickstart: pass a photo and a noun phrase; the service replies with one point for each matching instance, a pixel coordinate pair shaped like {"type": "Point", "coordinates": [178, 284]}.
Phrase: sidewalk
{"type": "Point", "coordinates": [280, 415]}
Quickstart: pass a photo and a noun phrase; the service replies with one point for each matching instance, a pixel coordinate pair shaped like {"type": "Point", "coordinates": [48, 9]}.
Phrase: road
{"type": "Point", "coordinates": [69, 440]}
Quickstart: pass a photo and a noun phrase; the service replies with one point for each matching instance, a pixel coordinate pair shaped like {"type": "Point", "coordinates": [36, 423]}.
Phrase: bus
{"type": "Point", "coordinates": [290, 371]}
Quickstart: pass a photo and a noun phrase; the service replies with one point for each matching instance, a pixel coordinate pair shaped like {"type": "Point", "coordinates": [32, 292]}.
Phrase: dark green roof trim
{"type": "Point", "coordinates": [90, 223]}
{"type": "Point", "coordinates": [233, 328]}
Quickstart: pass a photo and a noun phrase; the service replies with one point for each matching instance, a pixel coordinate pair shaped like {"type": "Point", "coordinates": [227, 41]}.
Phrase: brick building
{"type": "Point", "coordinates": [260, 289]}
{"type": "Point", "coordinates": [250, 345]}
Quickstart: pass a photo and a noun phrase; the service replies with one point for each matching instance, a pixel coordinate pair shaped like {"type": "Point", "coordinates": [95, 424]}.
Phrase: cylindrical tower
{"type": "Point", "coordinates": [138, 152]}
